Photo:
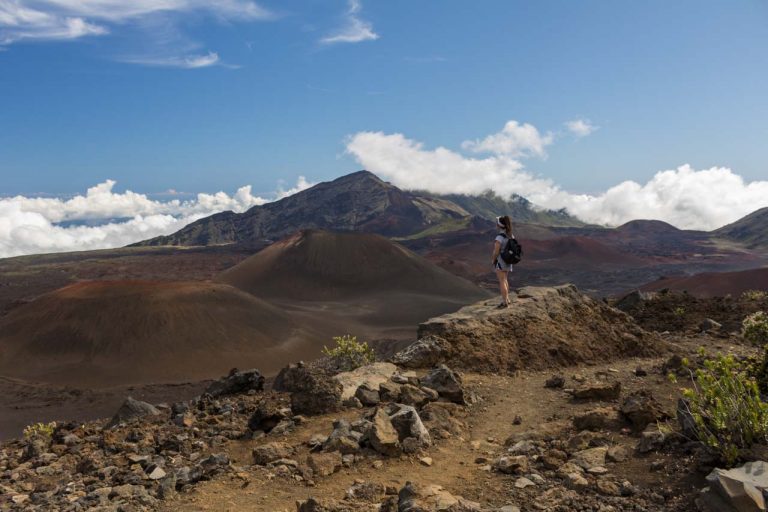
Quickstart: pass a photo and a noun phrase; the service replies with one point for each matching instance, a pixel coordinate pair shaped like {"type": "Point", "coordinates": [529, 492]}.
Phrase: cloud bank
{"type": "Point", "coordinates": [687, 198]}
{"type": "Point", "coordinates": [30, 225]}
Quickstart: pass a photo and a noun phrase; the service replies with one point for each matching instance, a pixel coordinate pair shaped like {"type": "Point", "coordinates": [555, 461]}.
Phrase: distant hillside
{"type": "Point", "coordinates": [488, 205]}
{"type": "Point", "coordinates": [357, 202]}
{"type": "Point", "coordinates": [714, 284]}
{"type": "Point", "coordinates": [751, 230]}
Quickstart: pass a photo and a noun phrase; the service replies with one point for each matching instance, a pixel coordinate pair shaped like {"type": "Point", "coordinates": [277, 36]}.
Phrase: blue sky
{"type": "Point", "coordinates": [667, 83]}
{"type": "Point", "coordinates": [614, 110]}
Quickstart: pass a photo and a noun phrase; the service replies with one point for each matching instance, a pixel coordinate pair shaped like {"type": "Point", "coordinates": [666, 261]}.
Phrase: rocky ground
{"type": "Point", "coordinates": [409, 435]}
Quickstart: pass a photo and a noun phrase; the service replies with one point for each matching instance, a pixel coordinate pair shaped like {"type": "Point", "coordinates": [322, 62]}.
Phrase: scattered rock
{"type": "Point", "coordinates": [368, 396]}
{"type": "Point", "coordinates": [270, 452]}
{"type": "Point", "coordinates": [556, 381]}
{"type": "Point", "coordinates": [411, 431]}
{"type": "Point", "coordinates": [651, 440]}
{"type": "Point", "coordinates": [708, 325]}
{"type": "Point", "coordinates": [641, 409]}
{"type": "Point", "coordinates": [601, 418]}
{"type": "Point", "coordinates": [313, 390]}
{"type": "Point", "coordinates": [382, 436]}
{"type": "Point", "coordinates": [447, 383]}
{"type": "Point", "coordinates": [414, 498]}
{"type": "Point", "coordinates": [616, 454]}
{"type": "Point", "coordinates": [267, 416]}
{"type": "Point", "coordinates": [522, 483]}
{"type": "Point", "coordinates": [511, 464]}
{"type": "Point", "coordinates": [426, 461]}
{"type": "Point", "coordinates": [236, 382]}
{"type": "Point", "coordinates": [640, 372]}
{"type": "Point", "coordinates": [589, 458]}
{"type": "Point", "coordinates": [367, 492]}
{"type": "Point", "coordinates": [598, 391]}
{"type": "Point", "coordinates": [130, 410]}
{"type": "Point", "coordinates": [324, 464]}
{"type": "Point", "coordinates": [744, 488]}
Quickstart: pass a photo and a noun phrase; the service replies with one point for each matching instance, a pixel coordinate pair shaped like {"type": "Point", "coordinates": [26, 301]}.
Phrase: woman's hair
{"type": "Point", "coordinates": [506, 223]}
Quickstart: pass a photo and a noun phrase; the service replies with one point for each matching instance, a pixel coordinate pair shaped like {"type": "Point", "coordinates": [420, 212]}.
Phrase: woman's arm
{"type": "Point", "coordinates": [496, 251]}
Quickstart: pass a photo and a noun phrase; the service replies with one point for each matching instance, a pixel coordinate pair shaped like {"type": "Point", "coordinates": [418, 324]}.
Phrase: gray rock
{"type": "Point", "coordinates": [641, 409]}
{"type": "Point", "coordinates": [555, 381]}
{"type": "Point", "coordinates": [407, 422]}
{"type": "Point", "coordinates": [367, 395]}
{"type": "Point", "coordinates": [708, 325]}
{"type": "Point", "coordinates": [424, 353]}
{"type": "Point", "coordinates": [132, 409]}
{"type": "Point", "coordinates": [313, 390]}
{"type": "Point", "coordinates": [447, 383]}
{"type": "Point", "coordinates": [237, 382]}
{"type": "Point", "coordinates": [270, 452]}
{"type": "Point", "coordinates": [744, 488]}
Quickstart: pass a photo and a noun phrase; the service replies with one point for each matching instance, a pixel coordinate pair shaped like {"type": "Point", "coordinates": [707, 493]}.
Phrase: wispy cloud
{"type": "Point", "coordinates": [28, 20]}
{"type": "Point", "coordinates": [185, 62]}
{"type": "Point", "coordinates": [580, 127]}
{"type": "Point", "coordinates": [354, 30]}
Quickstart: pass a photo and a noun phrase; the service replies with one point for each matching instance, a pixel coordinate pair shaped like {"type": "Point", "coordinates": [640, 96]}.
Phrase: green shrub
{"type": "Point", "coordinates": [350, 353]}
{"type": "Point", "coordinates": [754, 328]}
{"type": "Point", "coordinates": [726, 408]}
{"type": "Point", "coordinates": [679, 311]}
{"type": "Point", "coordinates": [754, 295]}
{"type": "Point", "coordinates": [40, 430]}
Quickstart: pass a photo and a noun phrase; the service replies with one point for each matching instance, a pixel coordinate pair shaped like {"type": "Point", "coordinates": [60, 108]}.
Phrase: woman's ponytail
{"type": "Point", "coordinates": [507, 222]}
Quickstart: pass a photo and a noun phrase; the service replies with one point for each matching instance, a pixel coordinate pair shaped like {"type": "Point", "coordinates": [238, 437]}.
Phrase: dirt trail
{"type": "Point", "coordinates": [489, 424]}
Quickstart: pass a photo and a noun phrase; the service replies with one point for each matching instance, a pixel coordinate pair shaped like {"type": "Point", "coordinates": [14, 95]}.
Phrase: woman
{"type": "Point", "coordinates": [500, 266]}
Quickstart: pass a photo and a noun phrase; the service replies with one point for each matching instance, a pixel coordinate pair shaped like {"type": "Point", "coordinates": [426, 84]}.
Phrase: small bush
{"type": "Point", "coordinates": [754, 295]}
{"type": "Point", "coordinates": [350, 353]}
{"type": "Point", "coordinates": [727, 409]}
{"type": "Point", "coordinates": [679, 311]}
{"type": "Point", "coordinates": [754, 328]}
{"type": "Point", "coordinates": [40, 430]}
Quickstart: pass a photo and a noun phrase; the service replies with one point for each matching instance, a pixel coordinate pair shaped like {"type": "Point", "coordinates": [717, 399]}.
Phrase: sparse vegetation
{"type": "Point", "coordinates": [40, 430]}
{"type": "Point", "coordinates": [754, 328]}
{"type": "Point", "coordinates": [679, 311]}
{"type": "Point", "coordinates": [726, 407]}
{"type": "Point", "coordinates": [754, 295]}
{"type": "Point", "coordinates": [349, 353]}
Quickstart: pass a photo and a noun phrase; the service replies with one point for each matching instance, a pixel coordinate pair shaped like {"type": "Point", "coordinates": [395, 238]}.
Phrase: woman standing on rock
{"type": "Point", "coordinates": [501, 267]}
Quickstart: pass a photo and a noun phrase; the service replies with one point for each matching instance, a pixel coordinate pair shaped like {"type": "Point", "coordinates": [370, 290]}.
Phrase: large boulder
{"type": "Point", "coordinates": [237, 382]}
{"type": "Point", "coordinates": [270, 452]}
{"type": "Point", "coordinates": [313, 389]}
{"type": "Point", "coordinates": [130, 410]}
{"type": "Point", "coordinates": [424, 353]}
{"type": "Point", "coordinates": [382, 436]}
{"type": "Point", "coordinates": [370, 376]}
{"type": "Point", "coordinates": [744, 488]}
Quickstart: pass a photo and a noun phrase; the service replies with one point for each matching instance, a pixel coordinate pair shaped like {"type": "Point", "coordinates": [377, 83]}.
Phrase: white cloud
{"type": "Point", "coordinates": [580, 127]}
{"type": "Point", "coordinates": [684, 197]}
{"type": "Point", "coordinates": [28, 225]}
{"type": "Point", "coordinates": [185, 62]}
{"type": "Point", "coordinates": [514, 140]}
{"type": "Point", "coordinates": [355, 29]}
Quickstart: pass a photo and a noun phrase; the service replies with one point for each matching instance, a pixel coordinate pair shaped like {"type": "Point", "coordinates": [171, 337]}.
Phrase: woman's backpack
{"type": "Point", "coordinates": [512, 252]}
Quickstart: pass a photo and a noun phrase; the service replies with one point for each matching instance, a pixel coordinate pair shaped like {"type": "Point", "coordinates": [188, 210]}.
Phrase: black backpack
{"type": "Point", "coordinates": [512, 252]}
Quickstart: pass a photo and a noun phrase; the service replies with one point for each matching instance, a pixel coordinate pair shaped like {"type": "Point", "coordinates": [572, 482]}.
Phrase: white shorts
{"type": "Point", "coordinates": [502, 265]}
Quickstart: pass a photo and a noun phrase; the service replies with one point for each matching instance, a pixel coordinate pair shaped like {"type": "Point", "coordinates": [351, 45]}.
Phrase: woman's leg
{"type": "Point", "coordinates": [503, 285]}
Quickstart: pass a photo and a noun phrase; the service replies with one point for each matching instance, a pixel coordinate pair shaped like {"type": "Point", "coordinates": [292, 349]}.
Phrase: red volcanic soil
{"type": "Point", "coordinates": [578, 250]}
{"type": "Point", "coordinates": [714, 284]}
{"type": "Point", "coordinates": [119, 332]}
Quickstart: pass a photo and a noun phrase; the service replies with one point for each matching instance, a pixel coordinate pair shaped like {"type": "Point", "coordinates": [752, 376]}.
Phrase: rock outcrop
{"type": "Point", "coordinates": [544, 328]}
